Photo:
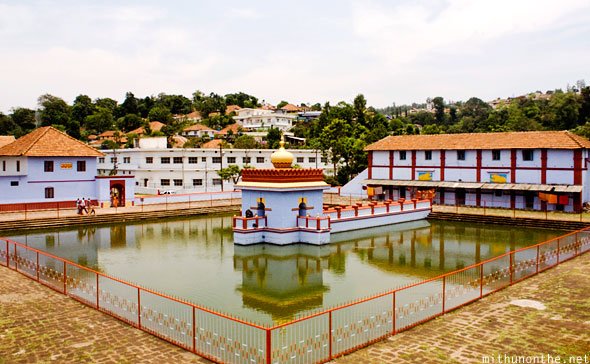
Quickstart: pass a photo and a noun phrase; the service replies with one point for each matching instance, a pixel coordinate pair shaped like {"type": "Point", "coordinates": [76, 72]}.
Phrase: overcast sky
{"type": "Point", "coordinates": [299, 51]}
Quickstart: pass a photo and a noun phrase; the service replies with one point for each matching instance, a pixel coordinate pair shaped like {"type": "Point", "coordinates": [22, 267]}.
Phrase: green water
{"type": "Point", "coordinates": [195, 259]}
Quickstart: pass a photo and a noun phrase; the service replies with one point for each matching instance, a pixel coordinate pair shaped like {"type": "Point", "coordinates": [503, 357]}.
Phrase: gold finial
{"type": "Point", "coordinates": [281, 158]}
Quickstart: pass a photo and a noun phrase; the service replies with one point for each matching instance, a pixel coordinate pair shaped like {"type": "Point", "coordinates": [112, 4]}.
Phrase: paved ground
{"type": "Point", "coordinates": [493, 326]}
{"type": "Point", "coordinates": [38, 325]}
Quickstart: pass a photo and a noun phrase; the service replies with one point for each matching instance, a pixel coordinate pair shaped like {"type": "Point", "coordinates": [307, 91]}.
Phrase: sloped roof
{"type": "Point", "coordinates": [215, 143]}
{"type": "Point", "coordinates": [508, 140]}
{"type": "Point", "coordinates": [154, 126]}
{"type": "Point", "coordinates": [231, 108]}
{"type": "Point", "coordinates": [290, 108]}
{"type": "Point", "coordinates": [6, 139]}
{"type": "Point", "coordinates": [197, 127]}
{"type": "Point", "coordinates": [48, 142]}
{"type": "Point", "coordinates": [233, 127]}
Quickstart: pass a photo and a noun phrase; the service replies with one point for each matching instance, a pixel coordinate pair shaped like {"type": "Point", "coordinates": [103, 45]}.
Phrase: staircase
{"type": "Point", "coordinates": [47, 223]}
{"type": "Point", "coordinates": [505, 220]}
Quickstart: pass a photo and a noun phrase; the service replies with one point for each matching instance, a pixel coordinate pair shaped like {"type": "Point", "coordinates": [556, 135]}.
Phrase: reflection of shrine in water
{"type": "Point", "coordinates": [282, 280]}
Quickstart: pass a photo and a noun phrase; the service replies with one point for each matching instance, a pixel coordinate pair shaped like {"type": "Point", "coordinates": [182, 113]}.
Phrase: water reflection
{"type": "Point", "coordinates": [196, 260]}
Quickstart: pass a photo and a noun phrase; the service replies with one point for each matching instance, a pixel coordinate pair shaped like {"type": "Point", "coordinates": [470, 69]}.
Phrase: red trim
{"type": "Point", "coordinates": [370, 168]}
{"type": "Point", "coordinates": [442, 164]}
{"type": "Point", "coordinates": [504, 168]}
{"type": "Point", "coordinates": [68, 180]}
{"type": "Point", "coordinates": [513, 165]}
{"type": "Point", "coordinates": [391, 164]}
{"type": "Point", "coordinates": [478, 167]}
{"type": "Point", "coordinates": [413, 165]}
{"type": "Point", "coordinates": [512, 200]}
{"type": "Point", "coordinates": [283, 175]}
{"type": "Point", "coordinates": [578, 167]}
{"type": "Point", "coordinates": [543, 166]}
{"type": "Point", "coordinates": [111, 177]}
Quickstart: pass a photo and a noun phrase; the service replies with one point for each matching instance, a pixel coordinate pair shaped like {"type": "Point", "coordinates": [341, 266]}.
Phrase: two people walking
{"type": "Point", "coordinates": [85, 206]}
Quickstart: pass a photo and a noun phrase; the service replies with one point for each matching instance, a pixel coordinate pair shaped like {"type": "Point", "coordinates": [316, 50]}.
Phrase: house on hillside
{"type": "Point", "coordinates": [48, 166]}
{"type": "Point", "coordinates": [261, 120]}
{"type": "Point", "coordinates": [543, 170]}
{"type": "Point", "coordinates": [198, 130]}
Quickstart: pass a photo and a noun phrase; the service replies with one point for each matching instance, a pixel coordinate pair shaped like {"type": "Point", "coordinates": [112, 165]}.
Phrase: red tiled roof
{"type": "Point", "coordinates": [508, 140]}
{"type": "Point", "coordinates": [290, 108]}
{"type": "Point", "coordinates": [231, 108]}
{"type": "Point", "coordinates": [233, 127]}
{"type": "Point", "coordinates": [215, 143]}
{"type": "Point", "coordinates": [154, 126]}
{"type": "Point", "coordinates": [48, 142]}
{"type": "Point", "coordinates": [6, 139]}
{"type": "Point", "coordinates": [197, 127]}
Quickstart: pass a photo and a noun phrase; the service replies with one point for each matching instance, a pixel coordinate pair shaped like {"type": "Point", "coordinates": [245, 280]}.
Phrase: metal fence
{"type": "Point", "coordinates": [317, 338]}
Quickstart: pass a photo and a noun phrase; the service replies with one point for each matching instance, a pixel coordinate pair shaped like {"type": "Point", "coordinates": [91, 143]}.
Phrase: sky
{"type": "Point", "coordinates": [396, 51]}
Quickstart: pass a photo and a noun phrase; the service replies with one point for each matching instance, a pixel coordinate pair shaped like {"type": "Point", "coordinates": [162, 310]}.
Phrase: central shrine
{"type": "Point", "coordinates": [284, 205]}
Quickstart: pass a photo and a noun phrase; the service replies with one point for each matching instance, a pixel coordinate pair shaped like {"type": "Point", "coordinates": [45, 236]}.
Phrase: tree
{"type": "Point", "coordinates": [161, 114]}
{"type": "Point", "coordinates": [176, 104]}
{"type": "Point", "coordinates": [584, 111]}
{"type": "Point", "coordinates": [232, 172]}
{"type": "Point", "coordinates": [360, 106]}
{"type": "Point", "coordinates": [439, 110]}
{"type": "Point", "coordinates": [82, 107]}
{"type": "Point", "coordinates": [245, 142]}
{"type": "Point", "coordinates": [129, 106]}
{"type": "Point", "coordinates": [100, 121]}
{"type": "Point", "coordinates": [7, 125]}
{"type": "Point", "coordinates": [53, 110]}
{"type": "Point", "coordinates": [273, 137]}
{"type": "Point", "coordinates": [209, 104]}
{"type": "Point", "coordinates": [242, 100]}
{"type": "Point", "coordinates": [281, 104]}
{"type": "Point", "coordinates": [130, 122]}
{"type": "Point", "coordinates": [107, 103]}
{"type": "Point", "coordinates": [24, 119]}
{"type": "Point", "coordinates": [565, 109]}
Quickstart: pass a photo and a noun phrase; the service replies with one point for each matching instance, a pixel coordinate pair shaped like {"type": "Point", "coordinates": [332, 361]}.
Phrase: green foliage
{"type": "Point", "coordinates": [82, 107]}
{"type": "Point", "coordinates": [232, 172]}
{"type": "Point", "coordinates": [273, 138]}
{"type": "Point", "coordinates": [241, 99]}
{"type": "Point", "coordinates": [130, 122]}
{"type": "Point", "coordinates": [7, 125]}
{"type": "Point", "coordinates": [281, 104]}
{"type": "Point", "coordinates": [161, 114]}
{"type": "Point", "coordinates": [109, 144]}
{"type": "Point", "coordinates": [207, 105]}
{"type": "Point", "coordinates": [24, 119]}
{"type": "Point", "coordinates": [245, 142]}
{"type": "Point", "coordinates": [100, 121]}
{"type": "Point", "coordinates": [53, 111]}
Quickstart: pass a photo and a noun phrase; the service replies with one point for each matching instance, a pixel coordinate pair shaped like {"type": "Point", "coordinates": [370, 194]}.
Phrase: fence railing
{"type": "Point", "coordinates": [318, 337]}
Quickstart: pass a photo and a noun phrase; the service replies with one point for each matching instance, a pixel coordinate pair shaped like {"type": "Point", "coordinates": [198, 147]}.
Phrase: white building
{"type": "Point", "coordinates": [545, 170]}
{"type": "Point", "coordinates": [198, 130]}
{"type": "Point", "coordinates": [262, 119]}
{"type": "Point", "coordinates": [192, 170]}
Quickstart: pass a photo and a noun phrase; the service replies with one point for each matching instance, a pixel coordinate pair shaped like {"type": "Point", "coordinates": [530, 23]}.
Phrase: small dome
{"type": "Point", "coordinates": [281, 158]}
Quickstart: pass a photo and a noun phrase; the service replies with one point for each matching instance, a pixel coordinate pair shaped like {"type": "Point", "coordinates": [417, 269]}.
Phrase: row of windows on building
{"type": "Point", "coordinates": [527, 155]}
{"type": "Point", "coordinates": [214, 160]}
{"type": "Point", "coordinates": [196, 182]}
{"type": "Point", "coordinates": [48, 166]}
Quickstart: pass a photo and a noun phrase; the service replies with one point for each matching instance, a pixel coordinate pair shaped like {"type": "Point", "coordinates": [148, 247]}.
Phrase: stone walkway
{"type": "Point", "coordinates": [39, 325]}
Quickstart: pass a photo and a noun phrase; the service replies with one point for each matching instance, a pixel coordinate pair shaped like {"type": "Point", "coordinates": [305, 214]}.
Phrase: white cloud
{"type": "Point", "coordinates": [401, 33]}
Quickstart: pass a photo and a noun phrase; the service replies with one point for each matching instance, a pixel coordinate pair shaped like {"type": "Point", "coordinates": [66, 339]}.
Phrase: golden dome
{"type": "Point", "coordinates": [281, 158]}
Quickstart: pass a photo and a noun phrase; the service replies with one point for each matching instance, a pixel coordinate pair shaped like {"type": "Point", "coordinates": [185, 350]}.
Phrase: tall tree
{"type": "Point", "coordinates": [360, 107]}
{"type": "Point", "coordinates": [129, 106]}
{"type": "Point", "coordinates": [82, 107]}
{"type": "Point", "coordinates": [7, 125]}
{"type": "Point", "coordinates": [100, 121]}
{"type": "Point", "coordinates": [24, 119]}
{"type": "Point", "coordinates": [53, 110]}
{"type": "Point", "coordinates": [439, 110]}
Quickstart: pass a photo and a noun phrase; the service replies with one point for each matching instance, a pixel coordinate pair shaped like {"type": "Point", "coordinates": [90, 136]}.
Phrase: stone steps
{"type": "Point", "coordinates": [506, 220]}
{"type": "Point", "coordinates": [47, 223]}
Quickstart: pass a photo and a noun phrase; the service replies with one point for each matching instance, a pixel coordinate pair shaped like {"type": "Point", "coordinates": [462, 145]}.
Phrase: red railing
{"type": "Point", "coordinates": [318, 337]}
{"type": "Point", "coordinates": [249, 223]}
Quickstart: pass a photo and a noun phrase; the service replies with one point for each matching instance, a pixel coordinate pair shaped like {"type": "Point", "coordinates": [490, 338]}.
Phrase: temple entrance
{"type": "Point", "coordinates": [117, 193]}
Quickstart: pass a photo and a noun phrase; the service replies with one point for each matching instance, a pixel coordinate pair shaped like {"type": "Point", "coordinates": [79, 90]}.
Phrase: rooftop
{"type": "Point", "coordinates": [48, 142]}
{"type": "Point", "coordinates": [6, 139]}
{"type": "Point", "coordinates": [508, 140]}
